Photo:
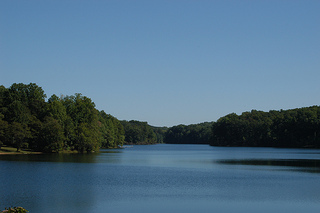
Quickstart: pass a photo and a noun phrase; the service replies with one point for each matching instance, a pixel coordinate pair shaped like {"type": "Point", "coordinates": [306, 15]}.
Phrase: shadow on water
{"type": "Point", "coordinates": [302, 165]}
{"type": "Point", "coordinates": [110, 151]}
{"type": "Point", "coordinates": [71, 158]}
{"type": "Point", "coordinates": [64, 157]}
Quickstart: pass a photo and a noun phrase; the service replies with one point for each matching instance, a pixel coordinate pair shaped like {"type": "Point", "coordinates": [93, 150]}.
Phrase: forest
{"type": "Point", "coordinates": [189, 134]}
{"type": "Point", "coordinates": [294, 128]}
{"type": "Point", "coordinates": [285, 128]}
{"type": "Point", "coordinates": [72, 123]}
{"type": "Point", "coordinates": [139, 133]}
{"type": "Point", "coordinates": [66, 123]}
{"type": "Point", "coordinates": [27, 120]}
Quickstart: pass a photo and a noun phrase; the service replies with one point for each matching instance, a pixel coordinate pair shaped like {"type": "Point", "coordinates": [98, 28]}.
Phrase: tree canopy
{"type": "Point", "coordinates": [137, 132]}
{"type": "Point", "coordinates": [72, 122]}
{"type": "Point", "coordinates": [284, 128]}
{"type": "Point", "coordinates": [27, 120]}
{"type": "Point", "coordinates": [189, 134]}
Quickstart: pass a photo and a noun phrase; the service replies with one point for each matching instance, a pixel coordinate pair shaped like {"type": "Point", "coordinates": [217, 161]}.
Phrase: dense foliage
{"type": "Point", "coordinates": [112, 131]}
{"type": "Point", "coordinates": [137, 132]}
{"type": "Point", "coordinates": [285, 128]}
{"type": "Point", "coordinates": [61, 123]}
{"type": "Point", "coordinates": [191, 134]}
{"type": "Point", "coordinates": [160, 133]}
{"type": "Point", "coordinates": [27, 120]}
{"type": "Point", "coordinates": [14, 210]}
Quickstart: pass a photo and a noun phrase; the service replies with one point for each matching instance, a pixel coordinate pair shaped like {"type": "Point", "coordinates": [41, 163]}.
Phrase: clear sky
{"type": "Point", "coordinates": [167, 62]}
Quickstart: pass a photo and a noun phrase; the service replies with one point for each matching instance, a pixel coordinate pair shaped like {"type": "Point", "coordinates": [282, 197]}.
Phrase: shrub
{"type": "Point", "coordinates": [14, 210]}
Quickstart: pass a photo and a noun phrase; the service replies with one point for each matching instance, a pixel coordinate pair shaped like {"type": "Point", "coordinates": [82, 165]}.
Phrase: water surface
{"type": "Point", "coordinates": [164, 178]}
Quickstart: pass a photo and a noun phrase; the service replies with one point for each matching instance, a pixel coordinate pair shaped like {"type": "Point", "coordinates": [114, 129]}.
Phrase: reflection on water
{"type": "Point", "coordinates": [303, 165]}
{"type": "Point", "coordinates": [111, 151]}
{"type": "Point", "coordinates": [164, 178]}
{"type": "Point", "coordinates": [64, 158]}
{"type": "Point", "coordinates": [74, 158]}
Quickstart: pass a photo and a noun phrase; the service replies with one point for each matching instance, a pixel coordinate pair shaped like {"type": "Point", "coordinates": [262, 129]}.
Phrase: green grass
{"type": "Point", "coordinates": [11, 150]}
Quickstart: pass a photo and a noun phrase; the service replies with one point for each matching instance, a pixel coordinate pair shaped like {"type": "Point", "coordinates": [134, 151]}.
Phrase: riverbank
{"type": "Point", "coordinates": [7, 150]}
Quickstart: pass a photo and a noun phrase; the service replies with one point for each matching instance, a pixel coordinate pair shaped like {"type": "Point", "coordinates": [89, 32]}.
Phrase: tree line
{"type": "Point", "coordinates": [285, 128]}
{"type": "Point", "coordinates": [137, 132]}
{"type": "Point", "coordinates": [294, 128]}
{"type": "Point", "coordinates": [72, 122]}
{"type": "Point", "coordinates": [189, 134]}
{"type": "Point", "coordinates": [27, 120]}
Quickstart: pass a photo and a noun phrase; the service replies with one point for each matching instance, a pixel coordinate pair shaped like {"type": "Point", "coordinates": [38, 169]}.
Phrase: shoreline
{"type": "Point", "coordinates": [8, 150]}
{"type": "Point", "coordinates": [20, 153]}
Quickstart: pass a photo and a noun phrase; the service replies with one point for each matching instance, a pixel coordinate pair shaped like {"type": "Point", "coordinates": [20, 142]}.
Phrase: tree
{"type": "Point", "coordinates": [36, 100]}
{"type": "Point", "coordinates": [18, 134]}
{"type": "Point", "coordinates": [35, 127]}
{"type": "Point", "coordinates": [107, 129]}
{"type": "Point", "coordinates": [3, 130]}
{"type": "Point", "coordinates": [56, 109]}
{"type": "Point", "coordinates": [120, 133]}
{"type": "Point", "coordinates": [112, 132]}
{"type": "Point", "coordinates": [83, 132]}
{"type": "Point", "coordinates": [3, 94]}
{"type": "Point", "coordinates": [23, 101]}
{"type": "Point", "coordinates": [52, 136]}
{"type": "Point", "coordinates": [137, 132]}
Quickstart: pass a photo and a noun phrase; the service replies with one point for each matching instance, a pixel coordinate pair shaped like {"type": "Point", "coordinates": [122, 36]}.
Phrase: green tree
{"type": "Point", "coordinates": [69, 133]}
{"type": "Point", "coordinates": [3, 94]}
{"type": "Point", "coordinates": [85, 134]}
{"type": "Point", "coordinates": [35, 127]}
{"type": "Point", "coordinates": [119, 131]}
{"type": "Point", "coordinates": [36, 100]}
{"type": "Point", "coordinates": [56, 109]}
{"type": "Point", "coordinates": [107, 129]}
{"type": "Point", "coordinates": [23, 101]}
{"type": "Point", "coordinates": [52, 136]}
{"type": "Point", "coordinates": [112, 132]}
{"type": "Point", "coordinates": [18, 134]}
{"type": "Point", "coordinates": [3, 130]}
{"type": "Point", "coordinates": [137, 132]}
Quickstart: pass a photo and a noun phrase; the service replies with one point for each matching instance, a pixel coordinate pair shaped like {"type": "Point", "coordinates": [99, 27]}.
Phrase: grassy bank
{"type": "Point", "coordinates": [7, 150]}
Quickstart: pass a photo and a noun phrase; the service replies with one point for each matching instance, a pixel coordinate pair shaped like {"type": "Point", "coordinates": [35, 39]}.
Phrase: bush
{"type": "Point", "coordinates": [14, 210]}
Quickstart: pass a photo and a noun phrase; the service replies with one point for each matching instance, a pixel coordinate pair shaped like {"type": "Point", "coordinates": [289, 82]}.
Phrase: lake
{"type": "Point", "coordinates": [164, 178]}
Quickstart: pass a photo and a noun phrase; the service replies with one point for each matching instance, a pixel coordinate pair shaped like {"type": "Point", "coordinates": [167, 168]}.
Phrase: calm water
{"type": "Point", "coordinates": [164, 178]}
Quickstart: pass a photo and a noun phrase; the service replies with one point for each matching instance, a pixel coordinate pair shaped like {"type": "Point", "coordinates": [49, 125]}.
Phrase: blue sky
{"type": "Point", "coordinates": [166, 62]}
